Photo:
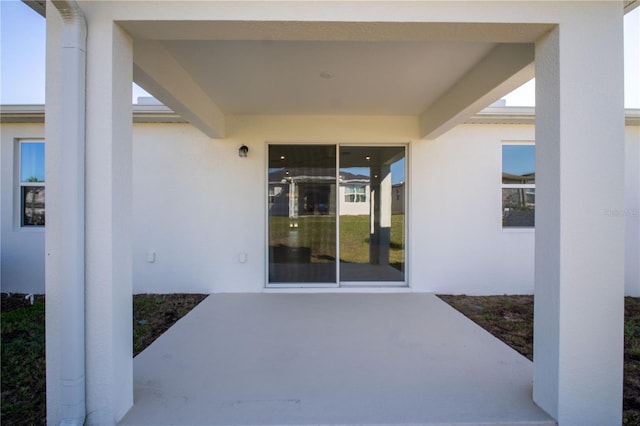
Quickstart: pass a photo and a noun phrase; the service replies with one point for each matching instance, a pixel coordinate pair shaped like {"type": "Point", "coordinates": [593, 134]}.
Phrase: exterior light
{"type": "Point", "coordinates": [243, 151]}
{"type": "Point", "coordinates": [368, 157]}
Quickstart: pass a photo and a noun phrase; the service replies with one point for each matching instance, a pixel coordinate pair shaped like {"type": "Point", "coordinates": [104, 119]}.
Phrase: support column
{"type": "Point", "coordinates": [380, 216]}
{"type": "Point", "coordinates": [579, 254]}
{"type": "Point", "coordinates": [54, 237]}
{"type": "Point", "coordinates": [108, 223]}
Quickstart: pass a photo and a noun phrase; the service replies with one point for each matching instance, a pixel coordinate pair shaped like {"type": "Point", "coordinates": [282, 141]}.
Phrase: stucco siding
{"type": "Point", "coordinates": [22, 249]}
{"type": "Point", "coordinates": [458, 242]}
{"type": "Point", "coordinates": [631, 211]}
{"type": "Point", "coordinates": [198, 207]}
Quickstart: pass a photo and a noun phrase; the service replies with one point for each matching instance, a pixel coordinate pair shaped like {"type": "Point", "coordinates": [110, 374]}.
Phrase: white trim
{"type": "Point", "coordinates": [518, 186]}
{"type": "Point", "coordinates": [519, 229]}
{"type": "Point", "coordinates": [301, 285]}
{"type": "Point", "coordinates": [385, 289]}
{"type": "Point", "coordinates": [374, 284]}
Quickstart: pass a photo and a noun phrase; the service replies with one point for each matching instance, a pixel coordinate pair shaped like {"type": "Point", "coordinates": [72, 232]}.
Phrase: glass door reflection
{"type": "Point", "coordinates": [372, 214]}
{"type": "Point", "coordinates": [302, 214]}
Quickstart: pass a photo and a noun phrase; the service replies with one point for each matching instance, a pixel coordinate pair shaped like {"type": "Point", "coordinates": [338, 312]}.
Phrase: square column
{"type": "Point", "coordinates": [109, 347]}
{"type": "Point", "coordinates": [88, 232]}
{"type": "Point", "coordinates": [579, 253]}
{"type": "Point", "coordinates": [380, 215]}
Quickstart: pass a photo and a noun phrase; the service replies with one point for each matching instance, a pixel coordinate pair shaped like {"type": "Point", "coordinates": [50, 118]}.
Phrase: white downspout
{"type": "Point", "coordinates": [72, 200]}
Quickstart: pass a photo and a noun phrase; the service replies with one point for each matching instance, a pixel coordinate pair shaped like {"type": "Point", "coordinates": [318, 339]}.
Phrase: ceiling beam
{"type": "Point", "coordinates": [158, 72]}
{"type": "Point", "coordinates": [502, 70]}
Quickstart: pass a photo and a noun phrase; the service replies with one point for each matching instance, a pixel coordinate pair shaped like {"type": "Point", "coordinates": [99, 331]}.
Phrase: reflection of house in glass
{"type": "Point", "coordinates": [34, 207]}
{"type": "Point", "coordinates": [312, 195]}
{"type": "Point", "coordinates": [298, 192]}
{"type": "Point", "coordinates": [518, 200]}
{"type": "Point", "coordinates": [397, 198]}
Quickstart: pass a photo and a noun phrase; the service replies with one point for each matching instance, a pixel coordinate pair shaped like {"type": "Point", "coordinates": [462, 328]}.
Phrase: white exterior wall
{"type": "Point", "coordinates": [632, 211]}
{"type": "Point", "coordinates": [459, 245]}
{"type": "Point", "coordinates": [22, 250]}
{"type": "Point", "coordinates": [453, 217]}
{"type": "Point", "coordinates": [454, 208]}
{"type": "Point", "coordinates": [199, 234]}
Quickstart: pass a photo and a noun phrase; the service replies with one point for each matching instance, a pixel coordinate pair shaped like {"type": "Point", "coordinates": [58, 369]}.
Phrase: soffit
{"type": "Point", "coordinates": [325, 77]}
{"type": "Point", "coordinates": [205, 70]}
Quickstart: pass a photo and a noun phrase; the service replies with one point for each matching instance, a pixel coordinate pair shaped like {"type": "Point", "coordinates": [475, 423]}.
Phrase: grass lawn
{"type": "Point", "coordinates": [510, 318]}
{"type": "Point", "coordinates": [319, 234]}
{"type": "Point", "coordinates": [23, 364]}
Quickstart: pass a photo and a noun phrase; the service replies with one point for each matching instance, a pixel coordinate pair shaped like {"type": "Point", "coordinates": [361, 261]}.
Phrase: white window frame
{"type": "Point", "coordinates": [514, 186]}
{"type": "Point", "coordinates": [355, 193]}
{"type": "Point", "coordinates": [19, 197]}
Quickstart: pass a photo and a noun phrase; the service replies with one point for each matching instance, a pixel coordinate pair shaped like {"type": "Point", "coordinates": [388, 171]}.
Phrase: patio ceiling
{"type": "Point", "coordinates": [441, 73]}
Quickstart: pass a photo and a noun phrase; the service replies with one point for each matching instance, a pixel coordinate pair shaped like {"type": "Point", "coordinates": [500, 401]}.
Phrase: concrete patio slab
{"type": "Point", "coordinates": [285, 359]}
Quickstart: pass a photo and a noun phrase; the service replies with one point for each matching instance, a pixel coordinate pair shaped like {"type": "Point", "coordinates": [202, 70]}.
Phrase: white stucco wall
{"type": "Point", "coordinates": [459, 245]}
{"type": "Point", "coordinates": [22, 251]}
{"type": "Point", "coordinates": [632, 211]}
{"type": "Point", "coordinates": [210, 208]}
{"type": "Point", "coordinates": [198, 206]}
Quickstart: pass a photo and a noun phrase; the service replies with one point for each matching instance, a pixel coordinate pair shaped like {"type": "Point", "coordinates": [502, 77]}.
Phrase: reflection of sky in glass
{"type": "Point", "coordinates": [397, 171]}
{"type": "Point", "coordinates": [518, 159]}
{"type": "Point", "coordinates": [364, 171]}
{"type": "Point", "coordinates": [32, 161]}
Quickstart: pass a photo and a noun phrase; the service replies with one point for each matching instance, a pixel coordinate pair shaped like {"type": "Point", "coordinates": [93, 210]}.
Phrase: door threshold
{"type": "Point", "coordinates": [355, 289]}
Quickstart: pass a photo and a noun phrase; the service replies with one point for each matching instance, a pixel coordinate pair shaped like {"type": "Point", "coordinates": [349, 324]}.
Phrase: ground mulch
{"type": "Point", "coordinates": [509, 318]}
{"type": "Point", "coordinates": [153, 314]}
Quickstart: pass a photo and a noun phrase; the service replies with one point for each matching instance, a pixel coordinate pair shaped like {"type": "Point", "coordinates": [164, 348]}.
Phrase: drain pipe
{"type": "Point", "coordinates": [72, 199]}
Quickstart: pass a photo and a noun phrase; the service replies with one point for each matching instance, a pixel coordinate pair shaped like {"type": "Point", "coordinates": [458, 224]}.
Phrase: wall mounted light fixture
{"type": "Point", "coordinates": [243, 151]}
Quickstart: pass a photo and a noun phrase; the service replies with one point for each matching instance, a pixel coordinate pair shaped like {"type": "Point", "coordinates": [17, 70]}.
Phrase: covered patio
{"type": "Point", "coordinates": [267, 359]}
{"type": "Point", "coordinates": [248, 74]}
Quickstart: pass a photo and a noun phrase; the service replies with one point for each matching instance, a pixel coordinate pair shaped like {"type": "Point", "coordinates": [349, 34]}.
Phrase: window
{"type": "Point", "coordinates": [518, 185]}
{"type": "Point", "coordinates": [355, 194]}
{"type": "Point", "coordinates": [32, 185]}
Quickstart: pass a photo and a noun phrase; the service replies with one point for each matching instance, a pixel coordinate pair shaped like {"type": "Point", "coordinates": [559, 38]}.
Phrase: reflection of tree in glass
{"type": "Point", "coordinates": [33, 203]}
{"type": "Point", "coordinates": [34, 179]}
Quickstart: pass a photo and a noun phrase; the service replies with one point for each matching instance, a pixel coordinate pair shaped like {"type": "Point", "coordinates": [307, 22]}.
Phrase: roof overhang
{"type": "Point", "coordinates": [441, 72]}
{"type": "Point", "coordinates": [162, 114]}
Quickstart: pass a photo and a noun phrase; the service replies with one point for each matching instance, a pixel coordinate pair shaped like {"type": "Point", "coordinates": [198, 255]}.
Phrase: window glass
{"type": "Point", "coordinates": [32, 185]}
{"type": "Point", "coordinates": [302, 214]}
{"type": "Point", "coordinates": [32, 162]}
{"type": "Point", "coordinates": [519, 164]}
{"type": "Point", "coordinates": [372, 218]}
{"type": "Point", "coordinates": [518, 185]}
{"type": "Point", "coordinates": [336, 219]}
{"type": "Point", "coordinates": [32, 205]}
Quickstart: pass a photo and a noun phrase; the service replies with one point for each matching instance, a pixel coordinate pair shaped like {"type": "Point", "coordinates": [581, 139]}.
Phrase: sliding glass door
{"type": "Point", "coordinates": [309, 186]}
{"type": "Point", "coordinates": [372, 214]}
{"type": "Point", "coordinates": [302, 214]}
